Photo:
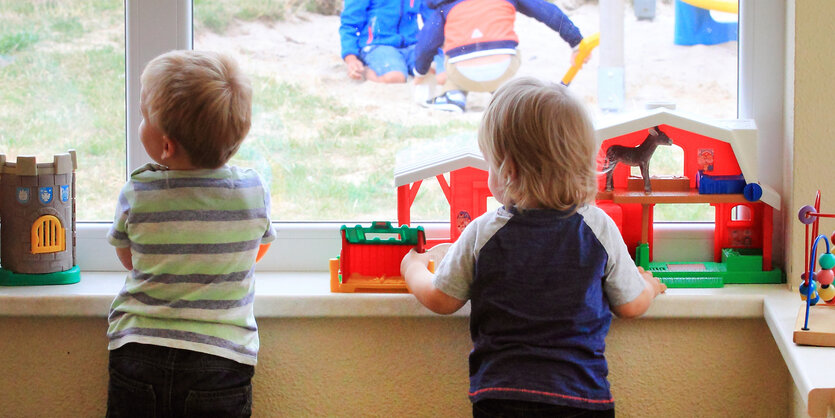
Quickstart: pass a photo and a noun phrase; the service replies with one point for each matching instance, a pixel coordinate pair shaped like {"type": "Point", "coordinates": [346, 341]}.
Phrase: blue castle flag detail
{"type": "Point", "coordinates": [45, 195]}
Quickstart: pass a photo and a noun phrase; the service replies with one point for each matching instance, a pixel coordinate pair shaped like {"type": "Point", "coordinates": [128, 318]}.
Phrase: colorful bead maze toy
{"type": "Point", "coordinates": [816, 288]}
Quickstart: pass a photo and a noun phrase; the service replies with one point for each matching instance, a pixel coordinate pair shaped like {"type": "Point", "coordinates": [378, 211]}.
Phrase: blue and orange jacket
{"type": "Point", "coordinates": [464, 27]}
{"type": "Point", "coordinates": [379, 22]}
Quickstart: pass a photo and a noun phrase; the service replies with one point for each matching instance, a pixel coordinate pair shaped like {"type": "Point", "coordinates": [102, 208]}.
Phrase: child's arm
{"type": "Point", "coordinates": [125, 257]}
{"type": "Point", "coordinates": [652, 288]}
{"type": "Point", "coordinates": [419, 280]}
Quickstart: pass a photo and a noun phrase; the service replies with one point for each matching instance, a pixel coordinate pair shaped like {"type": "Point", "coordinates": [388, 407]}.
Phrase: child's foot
{"type": "Point", "coordinates": [451, 101]}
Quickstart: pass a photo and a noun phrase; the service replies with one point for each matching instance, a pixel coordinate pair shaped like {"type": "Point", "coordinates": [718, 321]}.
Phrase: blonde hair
{"type": "Point", "coordinates": [540, 142]}
{"type": "Point", "coordinates": [201, 100]}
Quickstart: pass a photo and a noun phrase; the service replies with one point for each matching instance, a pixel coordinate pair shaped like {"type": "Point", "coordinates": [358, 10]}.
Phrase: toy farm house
{"type": "Point", "coordinates": [719, 169]}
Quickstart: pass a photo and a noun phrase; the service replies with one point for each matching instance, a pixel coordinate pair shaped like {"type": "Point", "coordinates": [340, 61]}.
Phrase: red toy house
{"type": "Point", "coordinates": [466, 190]}
{"type": "Point", "coordinates": [719, 169]}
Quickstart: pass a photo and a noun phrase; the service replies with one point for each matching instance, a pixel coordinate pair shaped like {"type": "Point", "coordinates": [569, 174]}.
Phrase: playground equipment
{"type": "Point", "coordinates": [816, 288]}
{"type": "Point", "coordinates": [37, 211]}
{"type": "Point", "coordinates": [698, 23]}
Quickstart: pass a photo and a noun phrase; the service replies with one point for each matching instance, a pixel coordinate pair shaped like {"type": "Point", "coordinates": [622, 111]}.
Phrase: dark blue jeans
{"type": "Point", "coordinates": [154, 381]}
{"type": "Point", "coordinates": [506, 408]}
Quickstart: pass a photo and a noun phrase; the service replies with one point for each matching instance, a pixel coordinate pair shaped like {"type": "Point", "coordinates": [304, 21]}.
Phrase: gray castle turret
{"type": "Point", "coordinates": [37, 218]}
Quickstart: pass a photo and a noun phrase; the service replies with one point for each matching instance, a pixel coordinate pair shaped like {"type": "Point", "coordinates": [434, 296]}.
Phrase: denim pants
{"type": "Point", "coordinates": [154, 381]}
{"type": "Point", "coordinates": [507, 408]}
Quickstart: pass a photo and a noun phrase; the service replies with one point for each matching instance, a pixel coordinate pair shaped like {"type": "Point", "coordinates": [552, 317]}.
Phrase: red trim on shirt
{"type": "Point", "coordinates": [537, 392]}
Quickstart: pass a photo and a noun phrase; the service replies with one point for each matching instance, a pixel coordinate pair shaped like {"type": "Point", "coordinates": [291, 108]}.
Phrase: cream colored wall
{"type": "Point", "coordinates": [411, 367]}
{"type": "Point", "coordinates": [813, 130]}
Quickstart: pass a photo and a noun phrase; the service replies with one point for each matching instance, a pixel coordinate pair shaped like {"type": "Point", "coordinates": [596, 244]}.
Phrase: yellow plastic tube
{"type": "Point", "coordinates": [584, 49]}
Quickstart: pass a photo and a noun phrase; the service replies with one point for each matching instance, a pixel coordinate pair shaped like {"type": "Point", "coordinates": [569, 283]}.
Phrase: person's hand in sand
{"type": "Point", "coordinates": [356, 68]}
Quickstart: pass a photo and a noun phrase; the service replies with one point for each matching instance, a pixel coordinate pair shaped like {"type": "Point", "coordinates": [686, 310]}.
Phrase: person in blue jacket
{"type": "Point", "coordinates": [378, 39]}
{"type": "Point", "coordinates": [479, 41]}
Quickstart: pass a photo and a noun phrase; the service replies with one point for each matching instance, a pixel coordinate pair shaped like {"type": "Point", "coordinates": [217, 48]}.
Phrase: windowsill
{"type": "Point", "coordinates": [307, 294]}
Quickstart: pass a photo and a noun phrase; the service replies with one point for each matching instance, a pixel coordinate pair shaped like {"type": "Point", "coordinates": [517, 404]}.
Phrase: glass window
{"type": "Point", "coordinates": [62, 72]}
{"type": "Point", "coordinates": [327, 144]}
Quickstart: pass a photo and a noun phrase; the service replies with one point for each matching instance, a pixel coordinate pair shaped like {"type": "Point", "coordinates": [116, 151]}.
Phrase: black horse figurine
{"type": "Point", "coordinates": [635, 156]}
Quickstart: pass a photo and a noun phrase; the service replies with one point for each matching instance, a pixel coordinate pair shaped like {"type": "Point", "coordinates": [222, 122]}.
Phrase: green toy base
{"type": "Point", "coordinates": [738, 266]}
{"type": "Point", "coordinates": [8, 278]}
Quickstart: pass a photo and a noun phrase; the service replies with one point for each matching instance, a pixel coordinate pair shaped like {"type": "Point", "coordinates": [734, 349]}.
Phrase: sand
{"type": "Point", "coordinates": [305, 49]}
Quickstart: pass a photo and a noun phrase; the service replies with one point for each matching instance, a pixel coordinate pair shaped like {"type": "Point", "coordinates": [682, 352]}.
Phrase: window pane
{"type": "Point", "coordinates": [327, 144]}
{"type": "Point", "coordinates": [673, 54]}
{"type": "Point", "coordinates": [62, 72]}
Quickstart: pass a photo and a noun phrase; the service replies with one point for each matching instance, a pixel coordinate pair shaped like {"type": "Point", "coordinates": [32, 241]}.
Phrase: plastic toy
{"type": "Point", "coordinates": [370, 258]}
{"type": "Point", "coordinates": [718, 154]}
{"type": "Point", "coordinates": [720, 184]}
{"type": "Point", "coordinates": [466, 191]}
{"type": "Point", "coordinates": [816, 287]}
{"type": "Point", "coordinates": [635, 156]}
{"type": "Point", "coordinates": [37, 211]}
{"type": "Point", "coordinates": [584, 49]}
{"type": "Point", "coordinates": [726, 151]}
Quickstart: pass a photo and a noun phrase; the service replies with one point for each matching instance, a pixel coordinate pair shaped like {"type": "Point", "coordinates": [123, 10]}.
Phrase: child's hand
{"type": "Point", "coordinates": [574, 58]}
{"type": "Point", "coordinates": [414, 259]}
{"type": "Point", "coordinates": [355, 67]}
{"type": "Point", "coordinates": [653, 281]}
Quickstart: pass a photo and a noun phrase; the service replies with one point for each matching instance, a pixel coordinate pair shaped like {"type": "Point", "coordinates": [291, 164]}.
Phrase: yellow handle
{"type": "Point", "coordinates": [584, 49]}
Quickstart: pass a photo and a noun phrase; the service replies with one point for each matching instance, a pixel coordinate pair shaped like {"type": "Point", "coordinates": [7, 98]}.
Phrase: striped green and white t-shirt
{"type": "Point", "coordinates": [193, 237]}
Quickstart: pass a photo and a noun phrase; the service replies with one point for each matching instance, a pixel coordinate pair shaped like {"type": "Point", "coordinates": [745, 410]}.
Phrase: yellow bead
{"type": "Point", "coordinates": [827, 293]}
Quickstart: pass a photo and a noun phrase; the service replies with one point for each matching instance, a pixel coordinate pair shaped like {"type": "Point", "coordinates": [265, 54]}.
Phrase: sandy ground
{"type": "Point", "coordinates": [699, 79]}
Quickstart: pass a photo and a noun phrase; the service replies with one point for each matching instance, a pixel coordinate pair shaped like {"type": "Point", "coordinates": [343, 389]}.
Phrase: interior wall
{"type": "Point", "coordinates": [417, 367]}
{"type": "Point", "coordinates": [812, 131]}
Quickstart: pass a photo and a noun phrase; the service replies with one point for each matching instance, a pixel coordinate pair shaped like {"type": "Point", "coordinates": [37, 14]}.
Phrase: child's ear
{"type": "Point", "coordinates": [169, 148]}
{"type": "Point", "coordinates": [510, 169]}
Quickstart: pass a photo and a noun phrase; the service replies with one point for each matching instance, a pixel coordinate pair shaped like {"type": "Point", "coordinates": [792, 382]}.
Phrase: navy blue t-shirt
{"type": "Point", "coordinates": [540, 283]}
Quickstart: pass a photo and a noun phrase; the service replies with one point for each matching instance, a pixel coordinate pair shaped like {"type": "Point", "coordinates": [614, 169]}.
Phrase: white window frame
{"type": "Point", "coordinates": [157, 26]}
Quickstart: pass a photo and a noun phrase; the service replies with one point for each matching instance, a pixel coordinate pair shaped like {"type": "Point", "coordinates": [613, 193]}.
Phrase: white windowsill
{"type": "Point", "coordinates": [307, 294]}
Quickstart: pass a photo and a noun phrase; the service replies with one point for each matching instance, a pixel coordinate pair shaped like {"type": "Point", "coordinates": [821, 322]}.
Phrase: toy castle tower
{"type": "Point", "coordinates": [37, 221]}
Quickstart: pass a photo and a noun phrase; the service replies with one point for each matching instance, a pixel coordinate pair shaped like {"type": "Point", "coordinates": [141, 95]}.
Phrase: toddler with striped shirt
{"type": "Point", "coordinates": [182, 334]}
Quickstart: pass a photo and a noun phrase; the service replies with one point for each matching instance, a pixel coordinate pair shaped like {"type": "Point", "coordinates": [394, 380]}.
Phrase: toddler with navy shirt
{"type": "Point", "coordinates": [544, 272]}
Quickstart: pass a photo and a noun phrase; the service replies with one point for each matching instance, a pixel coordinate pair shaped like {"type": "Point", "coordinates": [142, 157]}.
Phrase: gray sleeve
{"type": "Point", "coordinates": [623, 283]}
{"type": "Point", "coordinates": [454, 274]}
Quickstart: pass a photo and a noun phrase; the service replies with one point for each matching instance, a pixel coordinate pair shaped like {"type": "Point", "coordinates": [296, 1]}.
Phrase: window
{"type": "Point", "coordinates": [62, 68]}
{"type": "Point", "coordinates": [326, 143]}
{"type": "Point", "coordinates": [340, 147]}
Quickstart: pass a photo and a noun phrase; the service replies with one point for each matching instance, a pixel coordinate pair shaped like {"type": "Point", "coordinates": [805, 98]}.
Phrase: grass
{"type": "Point", "coordinates": [341, 171]}
{"type": "Point", "coordinates": [217, 15]}
{"type": "Point", "coordinates": [62, 72]}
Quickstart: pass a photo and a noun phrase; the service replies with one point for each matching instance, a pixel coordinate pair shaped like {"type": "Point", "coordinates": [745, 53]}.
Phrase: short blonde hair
{"type": "Point", "coordinates": [540, 143]}
{"type": "Point", "coordinates": [200, 99]}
